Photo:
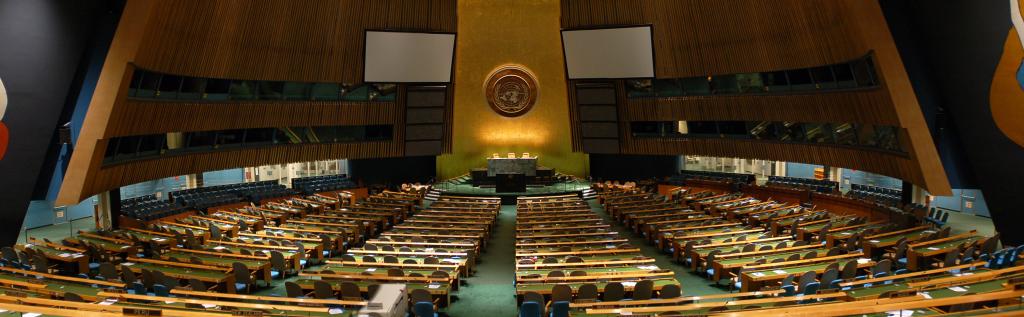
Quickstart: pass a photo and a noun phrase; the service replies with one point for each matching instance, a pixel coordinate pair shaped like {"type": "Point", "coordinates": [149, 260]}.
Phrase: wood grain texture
{"type": "Point", "coordinates": [893, 165]}
{"type": "Point", "coordinates": [139, 117]}
{"type": "Point", "coordinates": [862, 106]}
{"type": "Point", "coordinates": [297, 40]}
{"type": "Point", "coordinates": [284, 40]}
{"type": "Point", "coordinates": [713, 37]}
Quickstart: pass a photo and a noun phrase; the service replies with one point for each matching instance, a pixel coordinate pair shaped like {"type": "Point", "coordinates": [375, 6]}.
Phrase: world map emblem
{"type": "Point", "coordinates": [511, 90]}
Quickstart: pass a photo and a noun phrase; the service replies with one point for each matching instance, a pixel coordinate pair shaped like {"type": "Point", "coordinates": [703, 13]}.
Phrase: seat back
{"type": "Point", "coordinates": [293, 289]}
{"type": "Point", "coordinates": [806, 278]}
{"type": "Point", "coordinates": [810, 289]}
{"type": "Point", "coordinates": [643, 290]}
{"type": "Point", "coordinates": [670, 291]}
{"type": "Point", "coordinates": [108, 271]}
{"type": "Point", "coordinates": [950, 259]}
{"type": "Point", "coordinates": [849, 270]}
{"type": "Point", "coordinates": [586, 292]}
{"type": "Point", "coordinates": [829, 276]}
{"type": "Point", "coordinates": [350, 291]}
{"type": "Point", "coordinates": [127, 275]}
{"type": "Point", "coordinates": [323, 290]}
{"type": "Point", "coordinates": [277, 262]}
{"type": "Point", "coordinates": [560, 309]}
{"type": "Point", "coordinates": [613, 292]}
{"type": "Point", "coordinates": [561, 292]}
{"type": "Point", "coordinates": [42, 264]}
{"type": "Point", "coordinates": [883, 266]}
{"type": "Point", "coordinates": [9, 254]}
{"type": "Point", "coordinates": [421, 295]}
{"type": "Point", "coordinates": [535, 297]}
{"type": "Point", "coordinates": [901, 249]}
{"type": "Point", "coordinates": [148, 279]}
{"type": "Point", "coordinates": [161, 290]}
{"type": "Point", "coordinates": [215, 233]}
{"type": "Point", "coordinates": [242, 274]}
{"type": "Point", "coordinates": [530, 309]}
{"type": "Point", "coordinates": [424, 309]}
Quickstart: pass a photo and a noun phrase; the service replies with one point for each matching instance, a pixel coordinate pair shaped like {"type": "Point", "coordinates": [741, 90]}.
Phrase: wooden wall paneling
{"type": "Point", "coordinates": [138, 117]}
{"type": "Point", "coordinates": [874, 31]}
{"type": "Point", "coordinates": [286, 40]}
{"type": "Point", "coordinates": [449, 119]}
{"type": "Point", "coordinates": [298, 40]}
{"type": "Point", "coordinates": [575, 134]}
{"type": "Point", "coordinates": [398, 129]}
{"type": "Point", "coordinates": [711, 37]}
{"type": "Point", "coordinates": [860, 106]}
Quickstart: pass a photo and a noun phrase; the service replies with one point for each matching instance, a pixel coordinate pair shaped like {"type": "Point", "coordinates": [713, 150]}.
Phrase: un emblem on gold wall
{"type": "Point", "coordinates": [511, 90]}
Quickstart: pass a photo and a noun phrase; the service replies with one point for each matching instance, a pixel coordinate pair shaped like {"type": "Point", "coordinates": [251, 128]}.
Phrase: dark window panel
{"type": "Point", "coordinates": [192, 88]}
{"type": "Point", "coordinates": [724, 84]}
{"type": "Point", "coordinates": [763, 130]}
{"type": "Point", "coordinates": [845, 133]}
{"type": "Point", "coordinates": [776, 81]}
{"type": "Point", "coordinates": [800, 80]}
{"type": "Point", "coordinates": [750, 83]}
{"type": "Point", "coordinates": [271, 90]}
{"type": "Point", "coordinates": [169, 86]}
{"type": "Point", "coordinates": [733, 128]}
{"type": "Point", "coordinates": [322, 91]}
{"type": "Point", "coordinates": [217, 89]}
{"type": "Point", "coordinates": [823, 77]}
{"type": "Point", "coordinates": [668, 88]}
{"type": "Point", "coordinates": [230, 138]}
{"type": "Point", "coordinates": [638, 88]}
{"type": "Point", "coordinates": [384, 92]}
{"type": "Point", "coordinates": [696, 86]}
{"type": "Point", "coordinates": [259, 136]}
{"type": "Point", "coordinates": [702, 127]}
{"type": "Point", "coordinates": [818, 132]}
{"type": "Point", "coordinates": [296, 91]}
{"type": "Point", "coordinates": [243, 90]}
{"type": "Point", "coordinates": [844, 76]}
{"type": "Point", "coordinates": [200, 140]}
{"type": "Point", "coordinates": [148, 86]}
{"type": "Point", "coordinates": [358, 93]}
{"type": "Point", "coordinates": [128, 146]}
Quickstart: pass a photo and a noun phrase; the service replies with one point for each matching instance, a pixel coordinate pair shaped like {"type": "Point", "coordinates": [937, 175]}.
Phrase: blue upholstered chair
{"type": "Point", "coordinates": [530, 309]}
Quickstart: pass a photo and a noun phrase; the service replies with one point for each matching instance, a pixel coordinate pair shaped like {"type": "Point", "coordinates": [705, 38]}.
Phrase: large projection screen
{"type": "Point", "coordinates": [394, 57]}
{"type": "Point", "coordinates": [609, 53]}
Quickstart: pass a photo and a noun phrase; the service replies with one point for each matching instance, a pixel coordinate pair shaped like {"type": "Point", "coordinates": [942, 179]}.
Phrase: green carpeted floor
{"type": "Point", "coordinates": [490, 291]}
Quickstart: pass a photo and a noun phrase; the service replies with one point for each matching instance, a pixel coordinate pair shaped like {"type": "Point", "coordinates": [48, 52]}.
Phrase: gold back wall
{"type": "Point", "coordinates": [496, 33]}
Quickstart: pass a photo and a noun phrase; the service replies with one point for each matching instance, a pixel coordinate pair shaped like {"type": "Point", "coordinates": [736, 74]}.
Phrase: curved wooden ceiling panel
{"type": "Point", "coordinates": [711, 37]}
{"type": "Point", "coordinates": [298, 40]}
